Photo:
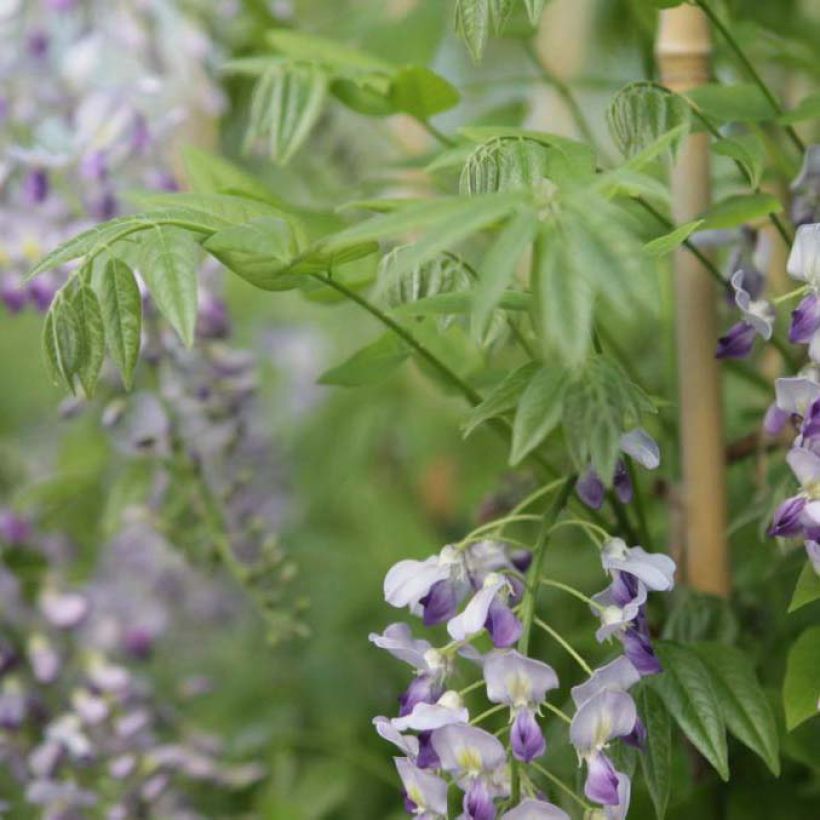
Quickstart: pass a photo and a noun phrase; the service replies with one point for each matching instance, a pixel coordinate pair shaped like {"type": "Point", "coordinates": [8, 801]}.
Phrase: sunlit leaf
{"type": "Point", "coordinates": [473, 25]}
{"type": "Point", "coordinates": [674, 239]}
{"type": "Point", "coordinates": [91, 330]}
{"type": "Point", "coordinates": [421, 92]}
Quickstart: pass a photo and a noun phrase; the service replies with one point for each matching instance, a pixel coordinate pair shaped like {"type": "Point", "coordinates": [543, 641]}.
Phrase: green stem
{"type": "Point", "coordinates": [549, 582]}
{"type": "Point", "coordinates": [560, 713]}
{"type": "Point", "coordinates": [567, 646]}
{"type": "Point", "coordinates": [527, 614]}
{"type": "Point", "coordinates": [640, 511]}
{"type": "Point", "coordinates": [435, 133]}
{"type": "Point", "coordinates": [561, 785]}
{"type": "Point", "coordinates": [493, 710]}
{"type": "Point", "coordinates": [750, 69]}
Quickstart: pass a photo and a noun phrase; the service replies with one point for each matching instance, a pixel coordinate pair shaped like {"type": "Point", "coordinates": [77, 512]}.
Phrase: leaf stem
{"type": "Point", "coordinates": [558, 712]}
{"type": "Point", "coordinates": [434, 132]}
{"type": "Point", "coordinates": [750, 69]}
{"type": "Point", "coordinates": [549, 582]}
{"type": "Point", "coordinates": [488, 713]}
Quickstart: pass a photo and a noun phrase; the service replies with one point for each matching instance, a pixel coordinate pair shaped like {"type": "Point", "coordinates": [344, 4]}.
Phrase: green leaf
{"type": "Point", "coordinates": [169, 268]}
{"type": "Point", "coordinates": [370, 364]}
{"type": "Point", "coordinates": [748, 151]}
{"type": "Point", "coordinates": [656, 756]}
{"type": "Point", "coordinates": [699, 616]}
{"type": "Point", "coordinates": [311, 48]}
{"type": "Point", "coordinates": [400, 285]}
{"type": "Point", "coordinates": [565, 300]}
{"type": "Point", "coordinates": [499, 265]}
{"type": "Point", "coordinates": [539, 411]}
{"type": "Point", "coordinates": [534, 9]}
{"type": "Point", "coordinates": [448, 216]}
{"type": "Point", "coordinates": [600, 404]}
{"type": "Point", "coordinates": [503, 397]}
{"type": "Point", "coordinates": [368, 95]}
{"type": "Point", "coordinates": [261, 252]}
{"type": "Point", "coordinates": [473, 25]}
{"type": "Point", "coordinates": [91, 329]}
{"type": "Point", "coordinates": [807, 109]}
{"type": "Point", "coordinates": [801, 686]}
{"type": "Point", "coordinates": [500, 11]}
{"type": "Point", "coordinates": [746, 708]}
{"type": "Point", "coordinates": [504, 164]}
{"type": "Point", "coordinates": [686, 689]}
{"type": "Point", "coordinates": [422, 93]}
{"type": "Point", "coordinates": [807, 589]}
{"type": "Point", "coordinates": [642, 113]}
{"type": "Point", "coordinates": [739, 209]}
{"type": "Point", "coordinates": [209, 173]}
{"type": "Point", "coordinates": [744, 102]}
{"type": "Point", "coordinates": [62, 342]}
{"type": "Point", "coordinates": [672, 240]}
{"type": "Point", "coordinates": [287, 102]}
{"type": "Point", "coordinates": [566, 162]}
{"type": "Point", "coordinates": [122, 315]}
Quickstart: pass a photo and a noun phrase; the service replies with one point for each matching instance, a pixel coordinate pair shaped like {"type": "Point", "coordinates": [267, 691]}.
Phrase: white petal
{"type": "Point", "coordinates": [804, 259]}
{"type": "Point", "coordinates": [795, 394]}
{"type": "Point", "coordinates": [407, 582]}
{"type": "Point", "coordinates": [471, 621]}
{"type": "Point", "coordinates": [642, 447]}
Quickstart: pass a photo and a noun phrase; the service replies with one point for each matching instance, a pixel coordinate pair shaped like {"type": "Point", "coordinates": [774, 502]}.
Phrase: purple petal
{"type": "Point", "coordinates": [423, 689]}
{"type": "Point", "coordinates": [474, 617]}
{"type": "Point", "coordinates": [622, 483]}
{"type": "Point", "coordinates": [502, 624]}
{"type": "Point", "coordinates": [656, 570]}
{"type": "Point", "coordinates": [478, 803]}
{"type": "Point", "coordinates": [787, 520]}
{"type": "Point", "coordinates": [805, 320]}
{"type": "Point", "coordinates": [638, 648]}
{"type": "Point", "coordinates": [736, 343]}
{"type": "Point", "coordinates": [775, 420]}
{"type": "Point", "coordinates": [427, 757]}
{"type": "Point", "coordinates": [526, 737]}
{"type": "Point", "coordinates": [407, 582]}
{"type": "Point", "coordinates": [591, 489]}
{"type": "Point", "coordinates": [440, 604]}
{"type": "Point", "coordinates": [602, 780]}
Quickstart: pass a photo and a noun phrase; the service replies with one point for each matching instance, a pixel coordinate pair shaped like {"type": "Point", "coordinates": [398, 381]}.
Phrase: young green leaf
{"type": "Point", "coordinates": [500, 11]}
{"type": "Point", "coordinates": [261, 252]}
{"type": "Point", "coordinates": [642, 113]}
{"type": "Point", "coordinates": [422, 93]}
{"type": "Point", "coordinates": [62, 342]}
{"type": "Point", "coordinates": [565, 300]}
{"type": "Point", "coordinates": [169, 268]}
{"type": "Point", "coordinates": [746, 708]}
{"type": "Point", "coordinates": [209, 173]}
{"type": "Point", "coordinates": [312, 48]}
{"type": "Point", "coordinates": [504, 164]}
{"type": "Point", "coordinates": [91, 329]}
{"type": "Point", "coordinates": [672, 240]}
{"type": "Point", "coordinates": [287, 102]}
{"type": "Point", "coordinates": [370, 364]}
{"type": "Point", "coordinates": [399, 285]}
{"type": "Point", "coordinates": [503, 397]}
{"type": "Point", "coordinates": [534, 9]}
{"type": "Point", "coordinates": [807, 589]}
{"type": "Point", "coordinates": [748, 151]}
{"type": "Point", "coordinates": [473, 25]}
{"type": "Point", "coordinates": [739, 209]}
{"type": "Point", "coordinates": [498, 267]}
{"type": "Point", "coordinates": [721, 103]}
{"type": "Point", "coordinates": [122, 315]}
{"type": "Point", "coordinates": [539, 411]}
{"type": "Point", "coordinates": [801, 686]}
{"type": "Point", "coordinates": [656, 756]}
{"type": "Point", "coordinates": [686, 689]}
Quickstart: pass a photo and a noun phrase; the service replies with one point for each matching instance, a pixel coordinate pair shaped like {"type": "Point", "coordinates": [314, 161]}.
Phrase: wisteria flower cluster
{"type": "Point", "coordinates": [92, 96]}
{"type": "Point", "coordinates": [478, 589]}
{"type": "Point", "coordinates": [81, 730]}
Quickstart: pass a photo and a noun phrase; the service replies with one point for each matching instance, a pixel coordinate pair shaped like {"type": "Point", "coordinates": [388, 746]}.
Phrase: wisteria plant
{"type": "Point", "coordinates": [528, 275]}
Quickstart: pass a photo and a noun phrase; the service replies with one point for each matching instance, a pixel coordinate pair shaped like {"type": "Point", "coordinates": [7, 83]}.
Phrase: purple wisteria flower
{"type": "Point", "coordinates": [640, 447]}
{"type": "Point", "coordinates": [425, 794]}
{"type": "Point", "coordinates": [531, 809]}
{"type": "Point", "coordinates": [804, 265]}
{"type": "Point", "coordinates": [477, 760]}
{"type": "Point", "coordinates": [522, 684]}
{"type": "Point", "coordinates": [605, 711]}
{"type": "Point", "coordinates": [758, 320]}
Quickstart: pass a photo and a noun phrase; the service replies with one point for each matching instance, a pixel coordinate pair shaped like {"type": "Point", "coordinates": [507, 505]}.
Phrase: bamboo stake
{"type": "Point", "coordinates": [683, 50]}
